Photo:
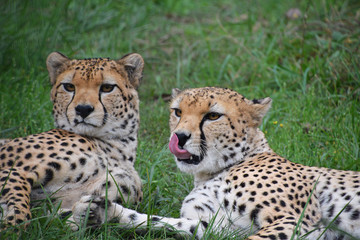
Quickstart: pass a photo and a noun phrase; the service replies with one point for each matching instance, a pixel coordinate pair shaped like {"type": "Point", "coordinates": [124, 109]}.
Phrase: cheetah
{"type": "Point", "coordinates": [239, 181]}
{"type": "Point", "coordinates": [93, 149]}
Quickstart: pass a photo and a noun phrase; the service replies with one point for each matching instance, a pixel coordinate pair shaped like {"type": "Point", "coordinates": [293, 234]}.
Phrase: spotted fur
{"type": "Point", "coordinates": [240, 182]}
{"type": "Point", "coordinates": [93, 149]}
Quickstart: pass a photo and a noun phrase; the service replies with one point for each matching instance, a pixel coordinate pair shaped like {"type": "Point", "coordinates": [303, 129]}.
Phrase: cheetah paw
{"type": "Point", "coordinates": [90, 211]}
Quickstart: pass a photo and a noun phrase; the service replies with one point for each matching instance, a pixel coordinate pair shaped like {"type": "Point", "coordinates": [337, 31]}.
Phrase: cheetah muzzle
{"type": "Point", "coordinates": [240, 183]}
{"type": "Point", "coordinates": [182, 155]}
{"type": "Point", "coordinates": [92, 151]}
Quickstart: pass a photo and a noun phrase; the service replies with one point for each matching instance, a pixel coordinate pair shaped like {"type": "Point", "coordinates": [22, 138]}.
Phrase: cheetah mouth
{"type": "Point", "coordinates": [194, 159]}
{"type": "Point", "coordinates": [83, 123]}
{"type": "Point", "coordinates": [181, 154]}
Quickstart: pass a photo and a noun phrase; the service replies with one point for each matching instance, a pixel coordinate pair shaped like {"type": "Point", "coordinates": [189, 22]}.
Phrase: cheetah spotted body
{"type": "Point", "coordinates": [240, 181]}
{"type": "Point", "coordinates": [95, 107]}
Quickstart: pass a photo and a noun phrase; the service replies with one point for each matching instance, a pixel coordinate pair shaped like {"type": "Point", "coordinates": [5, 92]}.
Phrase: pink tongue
{"type": "Point", "coordinates": [174, 148]}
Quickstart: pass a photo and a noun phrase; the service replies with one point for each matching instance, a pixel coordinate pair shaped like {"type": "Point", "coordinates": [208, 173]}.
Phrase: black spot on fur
{"type": "Point", "coordinates": [283, 236]}
{"type": "Point", "coordinates": [205, 224]}
{"type": "Point", "coordinates": [355, 215]}
{"type": "Point", "coordinates": [125, 189]}
{"type": "Point", "coordinates": [79, 177]}
{"type": "Point", "coordinates": [73, 166]}
{"type": "Point", "coordinates": [155, 219]}
{"type": "Point", "coordinates": [49, 175]}
{"type": "Point", "coordinates": [64, 215]}
{"type": "Point", "coordinates": [132, 217]}
{"type": "Point", "coordinates": [254, 215]}
{"type": "Point", "coordinates": [241, 208]}
{"type": "Point", "coordinates": [55, 165]}
{"type": "Point", "coordinates": [192, 229]}
{"type": "Point", "coordinates": [82, 161]}
{"type": "Point", "coordinates": [5, 191]}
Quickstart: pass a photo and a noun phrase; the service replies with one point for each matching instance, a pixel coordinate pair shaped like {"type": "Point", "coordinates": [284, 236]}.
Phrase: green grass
{"type": "Point", "coordinates": [309, 66]}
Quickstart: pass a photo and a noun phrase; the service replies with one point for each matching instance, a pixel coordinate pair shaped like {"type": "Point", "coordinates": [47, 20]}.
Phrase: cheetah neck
{"type": "Point", "coordinates": [118, 150]}
{"type": "Point", "coordinates": [201, 178]}
{"type": "Point", "coordinates": [256, 145]}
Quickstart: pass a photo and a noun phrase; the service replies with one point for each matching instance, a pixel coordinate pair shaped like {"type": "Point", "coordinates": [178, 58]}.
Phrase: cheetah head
{"type": "Point", "coordinates": [95, 97]}
{"type": "Point", "coordinates": [213, 128]}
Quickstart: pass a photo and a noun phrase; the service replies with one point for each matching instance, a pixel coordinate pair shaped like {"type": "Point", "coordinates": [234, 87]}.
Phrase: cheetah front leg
{"type": "Point", "coordinates": [93, 211]}
{"type": "Point", "coordinates": [121, 186]}
{"type": "Point", "coordinates": [15, 197]}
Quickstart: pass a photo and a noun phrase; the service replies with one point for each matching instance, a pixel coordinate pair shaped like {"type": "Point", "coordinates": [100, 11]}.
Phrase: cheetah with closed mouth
{"type": "Point", "coordinates": [93, 149]}
{"type": "Point", "coordinates": [240, 182]}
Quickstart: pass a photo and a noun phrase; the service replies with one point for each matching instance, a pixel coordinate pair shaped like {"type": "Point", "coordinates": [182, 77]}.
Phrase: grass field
{"type": "Point", "coordinates": [308, 65]}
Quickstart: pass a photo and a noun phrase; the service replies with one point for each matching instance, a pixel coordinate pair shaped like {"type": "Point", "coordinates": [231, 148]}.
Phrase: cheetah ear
{"type": "Point", "coordinates": [259, 109]}
{"type": "Point", "coordinates": [134, 65]}
{"type": "Point", "coordinates": [54, 62]}
{"type": "Point", "coordinates": [175, 92]}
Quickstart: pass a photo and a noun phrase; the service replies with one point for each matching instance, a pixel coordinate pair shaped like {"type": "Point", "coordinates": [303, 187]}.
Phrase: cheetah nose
{"type": "Point", "coordinates": [84, 110]}
{"type": "Point", "coordinates": [174, 147]}
{"type": "Point", "coordinates": [182, 138]}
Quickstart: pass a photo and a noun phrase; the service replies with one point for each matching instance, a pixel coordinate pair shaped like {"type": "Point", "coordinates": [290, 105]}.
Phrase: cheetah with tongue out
{"type": "Point", "coordinates": [239, 181]}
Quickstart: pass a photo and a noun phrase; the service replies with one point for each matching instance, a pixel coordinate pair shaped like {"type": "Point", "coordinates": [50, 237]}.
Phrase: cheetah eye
{"type": "Point", "coordinates": [69, 87]}
{"type": "Point", "coordinates": [177, 112]}
{"type": "Point", "coordinates": [212, 116]}
{"type": "Point", "coordinates": [107, 88]}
